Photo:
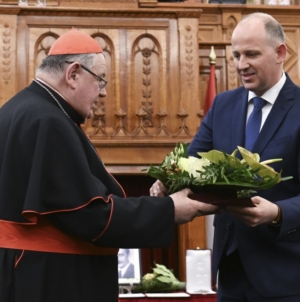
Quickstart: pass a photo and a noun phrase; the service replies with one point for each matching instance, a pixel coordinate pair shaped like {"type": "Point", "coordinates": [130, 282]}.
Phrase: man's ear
{"type": "Point", "coordinates": [281, 51]}
{"type": "Point", "coordinates": [72, 74]}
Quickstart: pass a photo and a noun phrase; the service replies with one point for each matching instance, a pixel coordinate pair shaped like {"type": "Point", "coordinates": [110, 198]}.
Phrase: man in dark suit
{"type": "Point", "coordinates": [257, 250]}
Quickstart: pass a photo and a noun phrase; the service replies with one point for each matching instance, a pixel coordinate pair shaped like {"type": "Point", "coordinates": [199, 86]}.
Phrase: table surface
{"type": "Point", "coordinates": [192, 298]}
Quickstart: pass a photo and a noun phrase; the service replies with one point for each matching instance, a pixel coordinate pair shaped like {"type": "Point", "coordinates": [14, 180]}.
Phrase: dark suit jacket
{"type": "Point", "coordinates": [270, 255]}
{"type": "Point", "coordinates": [129, 273]}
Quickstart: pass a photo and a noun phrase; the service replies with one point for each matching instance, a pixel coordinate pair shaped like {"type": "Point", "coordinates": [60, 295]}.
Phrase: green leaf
{"type": "Point", "coordinates": [177, 172]}
{"type": "Point", "coordinates": [163, 268]}
{"type": "Point", "coordinates": [164, 279]}
{"type": "Point", "coordinates": [159, 271]}
{"type": "Point", "coordinates": [216, 157]}
{"type": "Point", "coordinates": [253, 162]}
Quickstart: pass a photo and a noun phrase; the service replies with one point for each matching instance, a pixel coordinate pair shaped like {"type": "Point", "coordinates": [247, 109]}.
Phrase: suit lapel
{"type": "Point", "coordinates": [239, 121]}
{"type": "Point", "coordinates": [278, 112]}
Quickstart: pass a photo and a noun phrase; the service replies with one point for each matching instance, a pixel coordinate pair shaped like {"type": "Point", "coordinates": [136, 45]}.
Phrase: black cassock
{"type": "Point", "coordinates": [48, 168]}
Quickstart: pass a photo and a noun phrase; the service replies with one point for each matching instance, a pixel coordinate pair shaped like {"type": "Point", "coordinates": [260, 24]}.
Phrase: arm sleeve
{"type": "Point", "coordinates": [142, 222]}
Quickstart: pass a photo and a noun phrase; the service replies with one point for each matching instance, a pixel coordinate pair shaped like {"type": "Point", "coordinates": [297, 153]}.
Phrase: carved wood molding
{"type": "Point", "coordinates": [7, 56]}
{"type": "Point", "coordinates": [100, 12]}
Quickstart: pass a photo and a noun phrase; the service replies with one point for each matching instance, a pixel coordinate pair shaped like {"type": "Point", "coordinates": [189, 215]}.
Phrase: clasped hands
{"type": "Point", "coordinates": [187, 209]}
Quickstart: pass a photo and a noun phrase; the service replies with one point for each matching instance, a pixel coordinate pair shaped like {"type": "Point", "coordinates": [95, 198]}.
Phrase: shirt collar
{"type": "Point", "coordinates": [271, 95]}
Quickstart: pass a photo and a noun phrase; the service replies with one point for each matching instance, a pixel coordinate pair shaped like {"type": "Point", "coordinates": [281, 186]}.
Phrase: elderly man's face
{"type": "Point", "coordinates": [88, 91]}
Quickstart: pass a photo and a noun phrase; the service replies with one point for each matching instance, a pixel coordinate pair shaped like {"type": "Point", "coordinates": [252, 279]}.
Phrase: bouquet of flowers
{"type": "Point", "coordinates": [160, 281]}
{"type": "Point", "coordinates": [215, 168]}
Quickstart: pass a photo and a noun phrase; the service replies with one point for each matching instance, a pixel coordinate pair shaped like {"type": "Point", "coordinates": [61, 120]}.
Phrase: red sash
{"type": "Point", "coordinates": [44, 237]}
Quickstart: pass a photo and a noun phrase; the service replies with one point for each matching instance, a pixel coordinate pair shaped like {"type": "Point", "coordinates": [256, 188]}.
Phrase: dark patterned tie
{"type": "Point", "coordinates": [254, 122]}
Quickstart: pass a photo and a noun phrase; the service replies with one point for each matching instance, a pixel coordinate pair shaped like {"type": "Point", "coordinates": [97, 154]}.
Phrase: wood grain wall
{"type": "Point", "coordinates": [158, 67]}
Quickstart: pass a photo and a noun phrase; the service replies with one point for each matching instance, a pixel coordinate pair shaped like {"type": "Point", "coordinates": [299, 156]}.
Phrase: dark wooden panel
{"type": "Point", "coordinates": [138, 185]}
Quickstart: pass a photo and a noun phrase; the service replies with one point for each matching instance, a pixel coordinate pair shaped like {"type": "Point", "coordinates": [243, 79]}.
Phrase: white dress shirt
{"type": "Point", "coordinates": [270, 96]}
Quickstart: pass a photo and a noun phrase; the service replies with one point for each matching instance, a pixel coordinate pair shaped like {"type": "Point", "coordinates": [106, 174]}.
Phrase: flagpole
{"type": "Point", "coordinates": [210, 95]}
{"type": "Point", "coordinates": [211, 85]}
{"type": "Point", "coordinates": [212, 56]}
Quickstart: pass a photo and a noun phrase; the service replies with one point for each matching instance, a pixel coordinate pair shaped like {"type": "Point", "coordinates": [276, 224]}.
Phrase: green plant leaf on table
{"type": "Point", "coordinates": [160, 281]}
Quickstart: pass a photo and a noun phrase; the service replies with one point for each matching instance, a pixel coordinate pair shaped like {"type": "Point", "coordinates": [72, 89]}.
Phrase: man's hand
{"type": "Point", "coordinates": [158, 189]}
{"type": "Point", "coordinates": [263, 212]}
{"type": "Point", "coordinates": [187, 209]}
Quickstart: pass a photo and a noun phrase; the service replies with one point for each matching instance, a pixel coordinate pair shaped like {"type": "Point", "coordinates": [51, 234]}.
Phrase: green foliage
{"type": "Point", "coordinates": [161, 280]}
{"type": "Point", "coordinates": [224, 170]}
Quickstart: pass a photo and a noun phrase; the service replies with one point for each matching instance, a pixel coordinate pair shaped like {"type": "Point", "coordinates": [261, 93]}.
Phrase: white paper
{"type": "Point", "coordinates": [198, 271]}
{"type": "Point", "coordinates": [131, 295]}
{"type": "Point", "coordinates": [202, 292]}
{"type": "Point", "coordinates": [167, 295]}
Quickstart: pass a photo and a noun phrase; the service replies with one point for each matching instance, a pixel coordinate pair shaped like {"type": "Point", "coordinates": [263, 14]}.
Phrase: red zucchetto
{"type": "Point", "coordinates": [74, 42]}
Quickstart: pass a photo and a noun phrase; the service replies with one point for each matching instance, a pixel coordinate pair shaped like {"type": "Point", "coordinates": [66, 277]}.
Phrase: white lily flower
{"type": "Point", "coordinates": [192, 165]}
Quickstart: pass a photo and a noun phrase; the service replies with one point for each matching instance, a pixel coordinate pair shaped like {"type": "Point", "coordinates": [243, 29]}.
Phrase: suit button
{"type": "Point", "coordinates": [227, 226]}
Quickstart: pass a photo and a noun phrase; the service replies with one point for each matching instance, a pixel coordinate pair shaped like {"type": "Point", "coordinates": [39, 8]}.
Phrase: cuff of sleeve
{"type": "Point", "coordinates": [277, 220]}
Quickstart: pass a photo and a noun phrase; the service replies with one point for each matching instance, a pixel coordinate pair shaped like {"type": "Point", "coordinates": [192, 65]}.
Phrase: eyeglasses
{"type": "Point", "coordinates": [102, 83]}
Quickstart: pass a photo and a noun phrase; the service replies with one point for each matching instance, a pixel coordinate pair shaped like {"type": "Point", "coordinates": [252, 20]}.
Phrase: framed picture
{"type": "Point", "coordinates": [129, 266]}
